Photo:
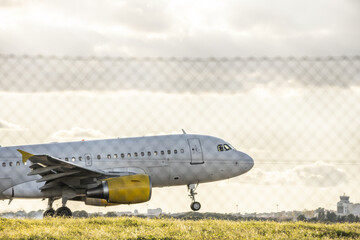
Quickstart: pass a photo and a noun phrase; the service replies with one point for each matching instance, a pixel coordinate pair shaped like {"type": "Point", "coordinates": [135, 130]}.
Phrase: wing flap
{"type": "Point", "coordinates": [43, 170]}
{"type": "Point", "coordinates": [50, 185]}
{"type": "Point", "coordinates": [56, 176]}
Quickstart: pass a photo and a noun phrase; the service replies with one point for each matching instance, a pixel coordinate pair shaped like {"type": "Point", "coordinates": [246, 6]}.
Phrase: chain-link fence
{"type": "Point", "coordinates": [298, 117]}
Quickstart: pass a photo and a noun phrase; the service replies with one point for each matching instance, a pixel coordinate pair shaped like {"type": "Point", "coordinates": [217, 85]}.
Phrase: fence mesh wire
{"type": "Point", "coordinates": [298, 117]}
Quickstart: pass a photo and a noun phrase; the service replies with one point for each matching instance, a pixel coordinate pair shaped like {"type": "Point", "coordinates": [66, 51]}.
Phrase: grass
{"type": "Point", "coordinates": [138, 228]}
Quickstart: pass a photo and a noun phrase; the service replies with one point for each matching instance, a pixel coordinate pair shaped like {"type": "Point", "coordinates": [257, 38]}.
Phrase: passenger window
{"type": "Point", "coordinates": [115, 155]}
{"type": "Point", "coordinates": [135, 154]}
{"type": "Point", "coordinates": [4, 164]}
{"type": "Point", "coordinates": [149, 154]}
{"type": "Point", "coordinates": [73, 159]}
{"type": "Point", "coordinates": [80, 158]}
{"type": "Point", "coordinates": [142, 154]}
{"type": "Point", "coordinates": [182, 150]}
{"type": "Point", "coordinates": [122, 155]}
{"type": "Point", "coordinates": [17, 163]}
{"type": "Point", "coordinates": [109, 156]}
{"type": "Point", "coordinates": [220, 148]}
{"type": "Point", "coordinates": [66, 159]}
{"type": "Point", "coordinates": [98, 157]}
{"type": "Point", "coordinates": [169, 151]}
{"type": "Point", "coordinates": [162, 152]}
{"type": "Point", "coordinates": [175, 151]}
{"type": "Point", "coordinates": [10, 164]}
{"type": "Point", "coordinates": [155, 153]}
{"type": "Point", "coordinates": [129, 154]}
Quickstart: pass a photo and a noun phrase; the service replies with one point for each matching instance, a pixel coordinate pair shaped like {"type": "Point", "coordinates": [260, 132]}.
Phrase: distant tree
{"type": "Point", "coordinates": [340, 219]}
{"type": "Point", "coordinates": [80, 214]}
{"type": "Point", "coordinates": [110, 214]}
{"type": "Point", "coordinates": [301, 218]}
{"type": "Point", "coordinates": [330, 216]}
{"type": "Point", "coordinates": [96, 215]}
{"type": "Point", "coordinates": [350, 218]}
{"type": "Point", "coordinates": [320, 214]}
{"type": "Point", "coordinates": [34, 214]}
{"type": "Point", "coordinates": [357, 219]}
{"type": "Point", "coordinates": [20, 214]}
{"type": "Point", "coordinates": [308, 213]}
{"type": "Point", "coordinates": [8, 214]}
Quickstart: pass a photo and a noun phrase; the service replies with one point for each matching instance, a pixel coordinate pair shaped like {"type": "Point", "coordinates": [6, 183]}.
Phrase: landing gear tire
{"type": "Point", "coordinates": [49, 213]}
{"type": "Point", "coordinates": [195, 206]}
{"type": "Point", "coordinates": [63, 212]}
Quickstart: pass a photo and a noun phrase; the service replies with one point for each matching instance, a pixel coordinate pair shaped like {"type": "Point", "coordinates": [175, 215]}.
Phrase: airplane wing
{"type": "Point", "coordinates": [56, 172]}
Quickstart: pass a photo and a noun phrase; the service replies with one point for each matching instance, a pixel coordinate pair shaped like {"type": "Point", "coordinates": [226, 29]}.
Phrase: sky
{"type": "Point", "coordinates": [297, 119]}
{"type": "Point", "coordinates": [180, 28]}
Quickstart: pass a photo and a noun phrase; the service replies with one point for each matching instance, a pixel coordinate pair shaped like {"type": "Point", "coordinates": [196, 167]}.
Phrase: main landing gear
{"type": "Point", "coordinates": [49, 212]}
{"type": "Point", "coordinates": [60, 212]}
{"type": "Point", "coordinates": [195, 206]}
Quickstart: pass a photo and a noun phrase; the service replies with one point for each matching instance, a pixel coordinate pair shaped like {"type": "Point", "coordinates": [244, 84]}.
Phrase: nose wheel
{"type": "Point", "coordinates": [195, 206]}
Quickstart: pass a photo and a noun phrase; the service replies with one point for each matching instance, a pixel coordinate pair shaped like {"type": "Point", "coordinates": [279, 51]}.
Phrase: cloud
{"type": "Point", "coordinates": [77, 133]}
{"type": "Point", "coordinates": [180, 28]}
{"type": "Point", "coordinates": [140, 16]}
{"type": "Point", "coordinates": [318, 174]}
{"type": "Point", "coordinates": [8, 126]}
{"type": "Point", "coordinates": [10, 3]}
{"type": "Point", "coordinates": [174, 74]}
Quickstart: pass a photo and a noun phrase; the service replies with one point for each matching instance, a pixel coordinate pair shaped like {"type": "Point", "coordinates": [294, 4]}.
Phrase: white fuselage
{"type": "Point", "coordinates": [169, 160]}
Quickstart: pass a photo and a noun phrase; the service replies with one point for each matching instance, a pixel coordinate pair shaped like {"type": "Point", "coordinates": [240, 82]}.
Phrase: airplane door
{"type": "Point", "coordinates": [88, 159]}
{"type": "Point", "coordinates": [196, 151]}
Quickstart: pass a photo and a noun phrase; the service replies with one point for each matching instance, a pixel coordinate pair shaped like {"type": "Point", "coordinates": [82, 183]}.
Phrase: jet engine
{"type": "Point", "coordinates": [123, 190]}
{"type": "Point", "coordinates": [98, 202]}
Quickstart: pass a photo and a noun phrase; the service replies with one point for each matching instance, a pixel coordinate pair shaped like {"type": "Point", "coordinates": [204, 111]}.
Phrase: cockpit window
{"type": "Point", "coordinates": [227, 147]}
{"type": "Point", "coordinates": [224, 147]}
{"type": "Point", "coordinates": [220, 148]}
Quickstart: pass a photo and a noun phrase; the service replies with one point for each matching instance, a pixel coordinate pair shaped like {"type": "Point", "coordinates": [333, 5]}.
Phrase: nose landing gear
{"type": "Point", "coordinates": [195, 206]}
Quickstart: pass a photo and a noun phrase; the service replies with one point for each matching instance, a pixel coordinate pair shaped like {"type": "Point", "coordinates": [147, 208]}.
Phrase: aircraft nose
{"type": "Point", "coordinates": [248, 162]}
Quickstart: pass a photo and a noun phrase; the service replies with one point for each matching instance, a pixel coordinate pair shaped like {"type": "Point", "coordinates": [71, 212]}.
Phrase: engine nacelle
{"type": "Point", "coordinates": [98, 202]}
{"type": "Point", "coordinates": [123, 190]}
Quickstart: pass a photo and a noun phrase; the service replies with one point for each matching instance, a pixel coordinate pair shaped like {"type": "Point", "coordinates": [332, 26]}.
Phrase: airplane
{"type": "Point", "coordinates": [116, 171]}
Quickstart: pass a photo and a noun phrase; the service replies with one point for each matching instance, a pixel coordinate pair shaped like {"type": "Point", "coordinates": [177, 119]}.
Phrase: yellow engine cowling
{"type": "Point", "coordinates": [123, 190]}
{"type": "Point", "coordinates": [98, 202]}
